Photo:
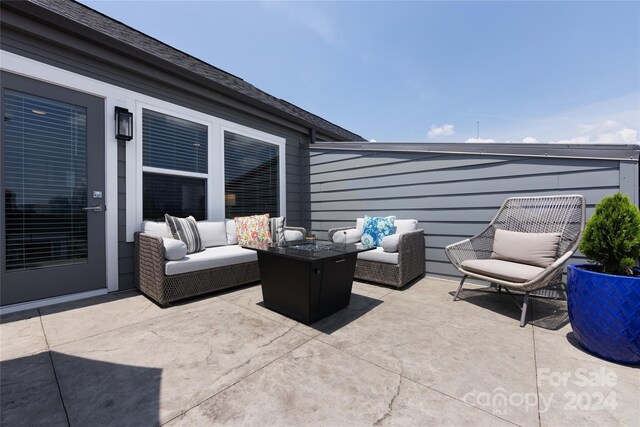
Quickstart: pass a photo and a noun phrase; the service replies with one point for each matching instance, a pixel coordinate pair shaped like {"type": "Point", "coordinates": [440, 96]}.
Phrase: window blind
{"type": "Point", "coordinates": [173, 143]}
{"type": "Point", "coordinates": [175, 195]}
{"type": "Point", "coordinates": [252, 180]}
{"type": "Point", "coordinates": [45, 170]}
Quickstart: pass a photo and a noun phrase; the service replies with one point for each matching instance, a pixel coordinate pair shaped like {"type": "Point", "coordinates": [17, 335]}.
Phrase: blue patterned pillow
{"type": "Point", "coordinates": [375, 228]}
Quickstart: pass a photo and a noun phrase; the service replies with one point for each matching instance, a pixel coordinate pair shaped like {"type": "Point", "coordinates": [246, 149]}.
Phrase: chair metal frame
{"type": "Point", "coordinates": [564, 214]}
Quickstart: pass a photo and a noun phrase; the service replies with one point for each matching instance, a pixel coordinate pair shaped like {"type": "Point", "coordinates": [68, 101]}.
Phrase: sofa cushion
{"type": "Point", "coordinates": [253, 228]}
{"type": "Point", "coordinates": [390, 243]}
{"type": "Point", "coordinates": [351, 235]}
{"type": "Point", "coordinates": [212, 233]}
{"type": "Point", "coordinates": [375, 228]}
{"type": "Point", "coordinates": [276, 226]}
{"type": "Point", "coordinates": [505, 270]}
{"type": "Point", "coordinates": [379, 255]}
{"type": "Point", "coordinates": [219, 256]}
{"type": "Point", "coordinates": [159, 229]}
{"type": "Point", "coordinates": [405, 225]}
{"type": "Point", "coordinates": [174, 249]}
{"type": "Point", "coordinates": [232, 236]}
{"type": "Point", "coordinates": [537, 249]}
{"type": "Point", "coordinates": [186, 230]}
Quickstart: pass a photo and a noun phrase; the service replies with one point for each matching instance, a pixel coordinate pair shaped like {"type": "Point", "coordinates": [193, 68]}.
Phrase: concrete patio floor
{"type": "Point", "coordinates": [408, 357]}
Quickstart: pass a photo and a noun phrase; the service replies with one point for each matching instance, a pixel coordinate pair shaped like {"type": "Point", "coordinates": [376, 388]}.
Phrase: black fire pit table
{"type": "Point", "coordinates": [307, 280]}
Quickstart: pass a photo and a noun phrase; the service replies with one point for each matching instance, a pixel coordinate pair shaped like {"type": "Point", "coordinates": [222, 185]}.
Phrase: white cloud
{"type": "Point", "coordinates": [529, 140]}
{"type": "Point", "coordinates": [444, 130]}
{"type": "Point", "coordinates": [600, 122]}
{"type": "Point", "coordinates": [604, 132]}
{"type": "Point", "coordinates": [485, 140]}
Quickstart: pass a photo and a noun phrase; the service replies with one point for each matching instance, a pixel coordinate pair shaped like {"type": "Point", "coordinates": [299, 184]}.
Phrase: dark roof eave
{"type": "Point", "coordinates": [175, 61]}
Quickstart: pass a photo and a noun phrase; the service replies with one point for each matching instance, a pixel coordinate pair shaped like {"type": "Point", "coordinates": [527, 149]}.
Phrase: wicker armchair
{"type": "Point", "coordinates": [410, 265]}
{"type": "Point", "coordinates": [547, 214]}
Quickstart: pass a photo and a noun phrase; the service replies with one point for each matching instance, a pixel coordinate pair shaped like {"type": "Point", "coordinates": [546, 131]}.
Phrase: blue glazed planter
{"type": "Point", "coordinates": [604, 311]}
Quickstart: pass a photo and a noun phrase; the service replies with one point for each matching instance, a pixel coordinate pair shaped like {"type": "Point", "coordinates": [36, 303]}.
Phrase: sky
{"type": "Point", "coordinates": [500, 71]}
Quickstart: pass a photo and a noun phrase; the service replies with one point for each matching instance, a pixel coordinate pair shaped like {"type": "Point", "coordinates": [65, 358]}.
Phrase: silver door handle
{"type": "Point", "coordinates": [93, 208]}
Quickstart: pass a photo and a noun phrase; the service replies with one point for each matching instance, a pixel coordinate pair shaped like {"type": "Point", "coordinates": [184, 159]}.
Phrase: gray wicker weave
{"type": "Point", "coordinates": [410, 261]}
{"type": "Point", "coordinates": [546, 214]}
{"type": "Point", "coordinates": [152, 281]}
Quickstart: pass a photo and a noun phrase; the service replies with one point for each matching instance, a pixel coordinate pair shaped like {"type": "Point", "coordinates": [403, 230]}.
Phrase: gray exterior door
{"type": "Point", "coordinates": [53, 222]}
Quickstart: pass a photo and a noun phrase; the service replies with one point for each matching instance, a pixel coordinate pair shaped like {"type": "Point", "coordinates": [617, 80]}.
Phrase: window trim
{"type": "Point", "coordinates": [215, 161]}
{"type": "Point", "coordinates": [263, 137]}
{"type": "Point", "coordinates": [163, 171]}
{"type": "Point", "coordinates": [185, 114]}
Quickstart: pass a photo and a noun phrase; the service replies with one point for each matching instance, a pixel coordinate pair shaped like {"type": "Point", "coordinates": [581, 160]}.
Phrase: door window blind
{"type": "Point", "coordinates": [45, 172]}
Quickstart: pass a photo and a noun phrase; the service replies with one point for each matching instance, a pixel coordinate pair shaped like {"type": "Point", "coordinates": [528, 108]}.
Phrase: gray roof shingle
{"type": "Point", "coordinates": [112, 28]}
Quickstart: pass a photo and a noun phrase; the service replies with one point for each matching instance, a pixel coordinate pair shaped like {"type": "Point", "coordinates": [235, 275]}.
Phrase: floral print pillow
{"type": "Point", "coordinates": [254, 228]}
{"type": "Point", "coordinates": [375, 228]}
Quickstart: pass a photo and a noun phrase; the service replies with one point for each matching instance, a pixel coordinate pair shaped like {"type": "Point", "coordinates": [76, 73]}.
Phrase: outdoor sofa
{"type": "Point", "coordinates": [394, 264]}
{"type": "Point", "coordinates": [223, 264]}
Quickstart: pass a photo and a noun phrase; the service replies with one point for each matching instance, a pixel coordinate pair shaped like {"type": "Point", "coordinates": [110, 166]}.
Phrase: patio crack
{"type": "Point", "coordinates": [535, 363]}
{"type": "Point", "coordinates": [390, 408]}
{"type": "Point", "coordinates": [53, 368]}
{"type": "Point", "coordinates": [276, 338]}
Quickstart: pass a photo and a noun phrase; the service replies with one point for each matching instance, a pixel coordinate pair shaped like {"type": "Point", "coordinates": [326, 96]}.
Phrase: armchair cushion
{"type": "Point", "coordinates": [375, 228]}
{"type": "Point", "coordinates": [505, 270]}
{"type": "Point", "coordinates": [352, 235]}
{"type": "Point", "coordinates": [537, 249]}
{"type": "Point", "coordinates": [379, 255]}
{"type": "Point", "coordinates": [293, 235]}
{"type": "Point", "coordinates": [405, 225]}
{"type": "Point", "coordinates": [390, 243]}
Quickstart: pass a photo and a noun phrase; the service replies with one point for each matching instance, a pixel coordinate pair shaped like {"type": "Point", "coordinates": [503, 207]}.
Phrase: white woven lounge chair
{"type": "Point", "coordinates": [519, 268]}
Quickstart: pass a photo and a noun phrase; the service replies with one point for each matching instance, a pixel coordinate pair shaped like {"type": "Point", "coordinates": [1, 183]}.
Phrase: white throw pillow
{"type": "Point", "coordinates": [159, 229]}
{"type": "Point", "coordinates": [537, 249]}
{"type": "Point", "coordinates": [360, 225]}
{"type": "Point", "coordinates": [405, 225]}
{"type": "Point", "coordinates": [351, 235]}
{"type": "Point", "coordinates": [390, 243]}
{"type": "Point", "coordinates": [174, 249]}
{"type": "Point", "coordinates": [232, 235]}
{"type": "Point", "coordinates": [212, 233]}
{"type": "Point", "coordinates": [293, 235]}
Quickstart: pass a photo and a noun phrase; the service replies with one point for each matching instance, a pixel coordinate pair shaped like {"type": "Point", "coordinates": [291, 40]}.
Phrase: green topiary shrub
{"type": "Point", "coordinates": [611, 238]}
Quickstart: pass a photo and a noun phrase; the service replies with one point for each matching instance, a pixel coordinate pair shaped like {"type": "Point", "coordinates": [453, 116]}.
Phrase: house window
{"type": "Point", "coordinates": [252, 176]}
{"type": "Point", "coordinates": [175, 166]}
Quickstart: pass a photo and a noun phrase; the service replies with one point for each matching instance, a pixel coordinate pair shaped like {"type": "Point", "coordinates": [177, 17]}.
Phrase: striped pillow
{"type": "Point", "coordinates": [277, 230]}
{"type": "Point", "coordinates": [185, 229]}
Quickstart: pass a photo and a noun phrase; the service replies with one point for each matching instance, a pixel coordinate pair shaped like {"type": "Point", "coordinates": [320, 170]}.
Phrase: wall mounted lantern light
{"type": "Point", "coordinates": [124, 124]}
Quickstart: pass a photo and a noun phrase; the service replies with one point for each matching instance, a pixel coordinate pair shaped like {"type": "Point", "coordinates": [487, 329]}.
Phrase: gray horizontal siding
{"type": "Point", "coordinates": [48, 44]}
{"type": "Point", "coordinates": [453, 196]}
